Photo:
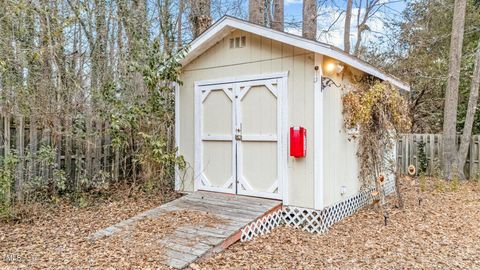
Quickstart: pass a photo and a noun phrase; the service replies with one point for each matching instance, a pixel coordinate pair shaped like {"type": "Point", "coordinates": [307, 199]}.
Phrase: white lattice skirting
{"type": "Point", "coordinates": [314, 221]}
{"type": "Point", "coordinates": [262, 226]}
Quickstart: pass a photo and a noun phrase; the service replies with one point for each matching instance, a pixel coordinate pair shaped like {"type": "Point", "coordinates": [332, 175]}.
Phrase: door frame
{"type": "Point", "coordinates": [283, 140]}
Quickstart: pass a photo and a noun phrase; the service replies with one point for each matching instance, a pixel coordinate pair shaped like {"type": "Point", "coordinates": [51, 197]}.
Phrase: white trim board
{"type": "Point", "coordinates": [318, 135]}
{"type": "Point", "coordinates": [268, 76]}
{"type": "Point", "coordinates": [177, 133]}
{"type": "Point", "coordinates": [227, 24]}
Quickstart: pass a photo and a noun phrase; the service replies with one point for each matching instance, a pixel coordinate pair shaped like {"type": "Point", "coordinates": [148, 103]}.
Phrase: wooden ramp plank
{"type": "Point", "coordinates": [189, 242]}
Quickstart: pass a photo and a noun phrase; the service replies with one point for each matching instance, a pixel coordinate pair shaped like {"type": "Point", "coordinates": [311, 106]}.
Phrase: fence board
{"type": "Point", "coordinates": [45, 141]}
{"type": "Point", "coordinates": [107, 149]}
{"type": "Point", "coordinates": [33, 148]}
{"type": "Point", "coordinates": [408, 152]}
{"type": "Point", "coordinates": [98, 146]}
{"type": "Point", "coordinates": [2, 134]}
{"type": "Point", "coordinates": [82, 150]}
{"type": "Point", "coordinates": [88, 148]}
{"type": "Point", "coordinates": [6, 128]}
{"type": "Point", "coordinates": [432, 153]}
{"type": "Point", "coordinates": [20, 147]}
{"type": "Point", "coordinates": [68, 150]}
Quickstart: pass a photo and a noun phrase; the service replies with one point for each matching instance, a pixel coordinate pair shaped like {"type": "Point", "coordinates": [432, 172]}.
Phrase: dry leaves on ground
{"type": "Point", "coordinates": [443, 232]}
{"type": "Point", "coordinates": [57, 238]}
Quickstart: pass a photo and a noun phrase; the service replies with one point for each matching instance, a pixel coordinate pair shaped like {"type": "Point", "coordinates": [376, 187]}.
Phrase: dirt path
{"type": "Point", "coordinates": [442, 233]}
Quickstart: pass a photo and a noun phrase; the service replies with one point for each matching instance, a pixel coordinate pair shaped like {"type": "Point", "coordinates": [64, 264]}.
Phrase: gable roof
{"type": "Point", "coordinates": [227, 24]}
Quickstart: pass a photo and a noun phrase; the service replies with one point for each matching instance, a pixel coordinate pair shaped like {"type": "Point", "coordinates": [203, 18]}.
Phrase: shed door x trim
{"type": "Point", "coordinates": [239, 136]}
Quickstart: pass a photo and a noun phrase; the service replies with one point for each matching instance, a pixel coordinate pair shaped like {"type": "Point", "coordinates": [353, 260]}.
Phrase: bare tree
{"type": "Point", "coordinates": [278, 15]}
{"type": "Point", "coordinates": [257, 11]}
{"type": "Point", "coordinates": [309, 27]}
{"type": "Point", "coordinates": [179, 24]}
{"type": "Point", "coordinates": [346, 31]}
{"type": "Point", "coordinates": [366, 10]}
{"type": "Point", "coordinates": [450, 160]}
{"type": "Point", "coordinates": [200, 17]}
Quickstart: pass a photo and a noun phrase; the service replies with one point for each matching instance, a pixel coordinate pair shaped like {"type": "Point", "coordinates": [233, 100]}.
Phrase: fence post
{"type": "Point", "coordinates": [68, 150]}
{"type": "Point", "coordinates": [33, 148]}
{"type": "Point", "coordinates": [98, 146]}
{"type": "Point", "coordinates": [2, 134]}
{"type": "Point", "coordinates": [6, 129]}
{"type": "Point", "coordinates": [116, 164]}
{"type": "Point", "coordinates": [432, 153]}
{"type": "Point", "coordinates": [88, 148]}
{"type": "Point", "coordinates": [476, 141]}
{"type": "Point", "coordinates": [45, 141]}
{"type": "Point", "coordinates": [20, 144]}
{"type": "Point", "coordinates": [79, 164]}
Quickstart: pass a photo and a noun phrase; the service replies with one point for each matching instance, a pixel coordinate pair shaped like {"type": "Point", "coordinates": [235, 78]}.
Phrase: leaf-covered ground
{"type": "Point", "coordinates": [56, 237]}
{"type": "Point", "coordinates": [443, 232]}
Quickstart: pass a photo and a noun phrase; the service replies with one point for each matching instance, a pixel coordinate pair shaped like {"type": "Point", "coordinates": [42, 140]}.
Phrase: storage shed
{"type": "Point", "coordinates": [244, 87]}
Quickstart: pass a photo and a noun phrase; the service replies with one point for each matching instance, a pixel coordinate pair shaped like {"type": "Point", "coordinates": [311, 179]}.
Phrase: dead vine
{"type": "Point", "coordinates": [379, 113]}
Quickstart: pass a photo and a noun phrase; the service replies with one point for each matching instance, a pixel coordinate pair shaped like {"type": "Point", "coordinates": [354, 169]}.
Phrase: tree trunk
{"type": "Point", "coordinates": [309, 29]}
{"type": "Point", "coordinates": [346, 31]}
{"type": "Point", "coordinates": [471, 110]}
{"type": "Point", "coordinates": [450, 161]}
{"type": "Point", "coordinates": [278, 15]}
{"type": "Point", "coordinates": [179, 24]}
{"type": "Point", "coordinates": [256, 11]}
{"type": "Point", "coordinates": [199, 16]}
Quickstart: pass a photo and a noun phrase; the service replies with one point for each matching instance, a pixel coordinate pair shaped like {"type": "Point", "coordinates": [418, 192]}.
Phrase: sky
{"type": "Point", "coordinates": [331, 11]}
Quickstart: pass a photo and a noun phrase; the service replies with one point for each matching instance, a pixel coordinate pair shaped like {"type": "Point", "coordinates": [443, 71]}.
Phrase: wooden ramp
{"type": "Point", "coordinates": [191, 241]}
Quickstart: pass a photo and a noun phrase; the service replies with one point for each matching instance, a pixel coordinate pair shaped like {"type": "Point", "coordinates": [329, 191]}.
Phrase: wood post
{"type": "Point", "coordinates": [20, 146]}
{"type": "Point", "coordinates": [6, 132]}
{"type": "Point", "coordinates": [68, 151]}
{"type": "Point", "coordinates": [88, 148]}
{"type": "Point", "coordinates": [33, 148]}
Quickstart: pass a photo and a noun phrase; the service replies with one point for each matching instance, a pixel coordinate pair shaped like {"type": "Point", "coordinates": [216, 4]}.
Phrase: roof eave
{"type": "Point", "coordinates": [226, 24]}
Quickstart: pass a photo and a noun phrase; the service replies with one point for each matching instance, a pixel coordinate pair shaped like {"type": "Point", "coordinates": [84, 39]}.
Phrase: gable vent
{"type": "Point", "coordinates": [238, 42]}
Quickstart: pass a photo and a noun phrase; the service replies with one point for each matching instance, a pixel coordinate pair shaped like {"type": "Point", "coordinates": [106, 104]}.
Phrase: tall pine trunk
{"type": "Point", "coordinates": [346, 31]}
{"type": "Point", "coordinates": [179, 24]}
{"type": "Point", "coordinates": [450, 161]}
{"type": "Point", "coordinates": [309, 27]}
{"type": "Point", "coordinates": [471, 110]}
{"type": "Point", "coordinates": [278, 15]}
{"type": "Point", "coordinates": [200, 18]}
{"type": "Point", "coordinates": [256, 11]}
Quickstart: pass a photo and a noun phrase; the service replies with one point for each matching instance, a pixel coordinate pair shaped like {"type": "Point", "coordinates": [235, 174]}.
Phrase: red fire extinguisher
{"type": "Point", "coordinates": [298, 142]}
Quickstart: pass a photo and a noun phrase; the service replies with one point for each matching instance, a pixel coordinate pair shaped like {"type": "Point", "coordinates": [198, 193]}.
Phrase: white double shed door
{"type": "Point", "coordinates": [240, 135]}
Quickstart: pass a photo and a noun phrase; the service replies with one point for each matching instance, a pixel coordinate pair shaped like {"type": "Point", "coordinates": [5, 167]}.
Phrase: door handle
{"type": "Point", "coordinates": [238, 136]}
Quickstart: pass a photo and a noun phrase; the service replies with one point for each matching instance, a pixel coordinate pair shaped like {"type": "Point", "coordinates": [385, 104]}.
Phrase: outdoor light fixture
{"type": "Point", "coordinates": [334, 67]}
{"type": "Point", "coordinates": [330, 67]}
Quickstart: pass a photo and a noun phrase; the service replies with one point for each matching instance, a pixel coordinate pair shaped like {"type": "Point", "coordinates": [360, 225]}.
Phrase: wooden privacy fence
{"type": "Point", "coordinates": [83, 151]}
{"type": "Point", "coordinates": [408, 152]}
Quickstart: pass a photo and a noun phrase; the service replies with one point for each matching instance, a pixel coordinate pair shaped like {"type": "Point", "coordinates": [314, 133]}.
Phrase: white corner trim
{"type": "Point", "coordinates": [318, 134]}
{"type": "Point", "coordinates": [227, 24]}
{"type": "Point", "coordinates": [177, 133]}
{"type": "Point", "coordinates": [284, 137]}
